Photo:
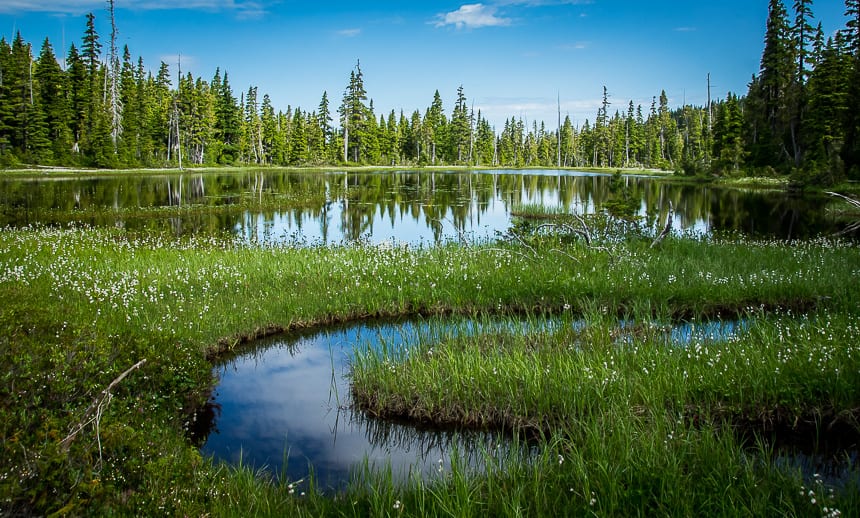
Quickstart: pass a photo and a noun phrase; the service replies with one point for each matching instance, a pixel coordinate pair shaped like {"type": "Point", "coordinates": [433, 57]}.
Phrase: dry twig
{"type": "Point", "coordinates": [96, 408]}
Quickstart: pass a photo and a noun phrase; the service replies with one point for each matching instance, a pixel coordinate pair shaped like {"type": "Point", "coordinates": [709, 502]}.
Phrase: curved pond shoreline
{"type": "Point", "coordinates": [284, 402]}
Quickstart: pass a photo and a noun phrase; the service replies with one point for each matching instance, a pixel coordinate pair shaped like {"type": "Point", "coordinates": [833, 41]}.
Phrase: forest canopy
{"type": "Point", "coordinates": [101, 108]}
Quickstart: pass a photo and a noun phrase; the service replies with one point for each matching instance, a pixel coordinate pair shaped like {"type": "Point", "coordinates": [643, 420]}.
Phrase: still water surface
{"type": "Point", "coordinates": [418, 207]}
{"type": "Point", "coordinates": [286, 404]}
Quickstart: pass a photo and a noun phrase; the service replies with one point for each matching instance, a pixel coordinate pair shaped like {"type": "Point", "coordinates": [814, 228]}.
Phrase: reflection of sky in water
{"type": "Point", "coordinates": [290, 399]}
{"type": "Point", "coordinates": [481, 224]}
{"type": "Point", "coordinates": [417, 207]}
{"type": "Point", "coordinates": [403, 222]}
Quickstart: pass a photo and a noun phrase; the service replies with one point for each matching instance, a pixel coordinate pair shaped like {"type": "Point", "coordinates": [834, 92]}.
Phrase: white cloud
{"type": "Point", "coordinates": [472, 16]}
{"type": "Point", "coordinates": [349, 33]}
{"type": "Point", "coordinates": [243, 9]}
{"type": "Point", "coordinates": [685, 29]}
{"type": "Point", "coordinates": [543, 3]}
{"type": "Point", "coordinates": [174, 60]}
{"type": "Point", "coordinates": [579, 45]}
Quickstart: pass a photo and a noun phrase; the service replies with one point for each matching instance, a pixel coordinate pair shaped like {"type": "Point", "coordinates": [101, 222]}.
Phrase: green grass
{"type": "Point", "coordinates": [81, 305]}
{"type": "Point", "coordinates": [781, 370]}
{"type": "Point", "coordinates": [537, 211]}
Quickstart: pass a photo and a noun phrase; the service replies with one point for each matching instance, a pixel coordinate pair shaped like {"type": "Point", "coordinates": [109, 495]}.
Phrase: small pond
{"type": "Point", "coordinates": [285, 404]}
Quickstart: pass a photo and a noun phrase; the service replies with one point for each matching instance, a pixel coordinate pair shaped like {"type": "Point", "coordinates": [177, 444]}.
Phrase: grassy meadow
{"type": "Point", "coordinates": [626, 421]}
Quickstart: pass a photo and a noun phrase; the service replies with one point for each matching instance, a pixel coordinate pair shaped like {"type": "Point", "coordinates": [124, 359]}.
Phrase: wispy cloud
{"type": "Point", "coordinates": [579, 45]}
{"type": "Point", "coordinates": [175, 60]}
{"type": "Point", "coordinates": [348, 33]}
{"type": "Point", "coordinates": [535, 108]}
{"type": "Point", "coordinates": [472, 16]}
{"type": "Point", "coordinates": [685, 29]}
{"type": "Point", "coordinates": [543, 3]}
{"type": "Point", "coordinates": [243, 9]}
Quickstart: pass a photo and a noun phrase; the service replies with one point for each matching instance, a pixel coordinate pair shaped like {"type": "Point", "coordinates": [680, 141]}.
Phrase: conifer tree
{"type": "Point", "coordinates": [298, 140]}
{"type": "Point", "coordinates": [6, 116]}
{"type": "Point", "coordinates": [828, 90]}
{"type": "Point", "coordinates": [850, 152]}
{"type": "Point", "coordinates": [460, 125]}
{"type": "Point", "coordinates": [90, 55]}
{"type": "Point", "coordinates": [728, 136]}
{"type": "Point", "coordinates": [53, 101]}
{"type": "Point", "coordinates": [353, 114]}
{"type": "Point", "coordinates": [228, 126]}
{"type": "Point", "coordinates": [324, 121]}
{"type": "Point", "coordinates": [768, 115]}
{"type": "Point", "coordinates": [433, 125]}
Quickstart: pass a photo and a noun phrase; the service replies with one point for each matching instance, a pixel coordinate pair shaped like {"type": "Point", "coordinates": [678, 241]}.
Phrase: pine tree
{"type": "Point", "coordinates": [768, 115]}
{"type": "Point", "coordinates": [324, 121]}
{"type": "Point", "coordinates": [460, 125]}
{"type": "Point", "coordinates": [728, 136]}
{"type": "Point", "coordinates": [273, 144]}
{"type": "Point", "coordinates": [829, 108]}
{"type": "Point", "coordinates": [130, 91]}
{"type": "Point", "coordinates": [29, 133]}
{"type": "Point", "coordinates": [369, 137]}
{"type": "Point", "coordinates": [53, 101]}
{"type": "Point", "coordinates": [114, 100]}
{"type": "Point", "coordinates": [353, 114]}
{"type": "Point", "coordinates": [434, 124]}
{"type": "Point", "coordinates": [6, 117]}
{"type": "Point", "coordinates": [228, 126]}
{"type": "Point", "coordinates": [851, 149]}
{"type": "Point", "coordinates": [76, 75]}
{"type": "Point", "coordinates": [90, 55]}
{"type": "Point", "coordinates": [803, 37]}
{"type": "Point", "coordinates": [298, 140]}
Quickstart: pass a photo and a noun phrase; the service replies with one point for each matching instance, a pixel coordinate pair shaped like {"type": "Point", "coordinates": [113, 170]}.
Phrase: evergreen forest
{"type": "Point", "coordinates": [102, 108]}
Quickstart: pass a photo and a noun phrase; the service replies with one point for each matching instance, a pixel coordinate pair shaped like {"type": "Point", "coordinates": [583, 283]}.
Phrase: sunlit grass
{"type": "Point", "coordinates": [80, 305]}
{"type": "Point", "coordinates": [770, 369]}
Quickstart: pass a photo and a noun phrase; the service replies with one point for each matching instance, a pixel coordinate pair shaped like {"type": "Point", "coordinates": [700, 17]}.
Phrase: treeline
{"type": "Point", "coordinates": [800, 115]}
{"type": "Point", "coordinates": [103, 109]}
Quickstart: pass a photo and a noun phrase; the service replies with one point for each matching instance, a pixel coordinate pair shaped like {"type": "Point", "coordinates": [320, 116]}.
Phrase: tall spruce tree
{"type": "Point", "coordinates": [851, 148]}
{"type": "Point", "coordinates": [353, 115]}
{"type": "Point", "coordinates": [53, 101]}
{"type": "Point", "coordinates": [460, 125]}
{"type": "Point", "coordinates": [769, 116]}
{"type": "Point", "coordinates": [91, 55]}
{"type": "Point", "coordinates": [803, 36]}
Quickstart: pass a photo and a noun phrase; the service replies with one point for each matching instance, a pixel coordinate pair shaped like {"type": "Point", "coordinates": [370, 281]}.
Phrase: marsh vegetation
{"type": "Point", "coordinates": [626, 420]}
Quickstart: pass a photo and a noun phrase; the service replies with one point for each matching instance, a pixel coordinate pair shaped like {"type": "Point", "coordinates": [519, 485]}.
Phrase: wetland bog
{"type": "Point", "coordinates": [94, 283]}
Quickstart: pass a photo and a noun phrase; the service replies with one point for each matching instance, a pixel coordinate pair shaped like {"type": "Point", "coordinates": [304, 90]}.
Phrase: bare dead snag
{"type": "Point", "coordinates": [666, 229]}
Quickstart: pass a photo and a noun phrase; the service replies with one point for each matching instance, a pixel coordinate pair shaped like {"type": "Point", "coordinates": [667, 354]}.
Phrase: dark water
{"type": "Point", "coordinates": [408, 206]}
{"type": "Point", "coordinates": [285, 404]}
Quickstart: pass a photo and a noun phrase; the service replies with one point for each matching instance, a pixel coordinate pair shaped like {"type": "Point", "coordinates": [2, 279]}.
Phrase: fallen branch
{"type": "Point", "coordinates": [94, 411]}
{"type": "Point", "coordinates": [855, 226]}
{"type": "Point", "coordinates": [851, 201]}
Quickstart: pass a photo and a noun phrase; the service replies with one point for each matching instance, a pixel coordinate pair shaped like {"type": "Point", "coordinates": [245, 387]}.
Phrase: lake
{"type": "Point", "coordinates": [416, 207]}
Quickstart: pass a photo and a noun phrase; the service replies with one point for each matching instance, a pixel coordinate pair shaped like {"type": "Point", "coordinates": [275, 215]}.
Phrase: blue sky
{"type": "Point", "coordinates": [513, 57]}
